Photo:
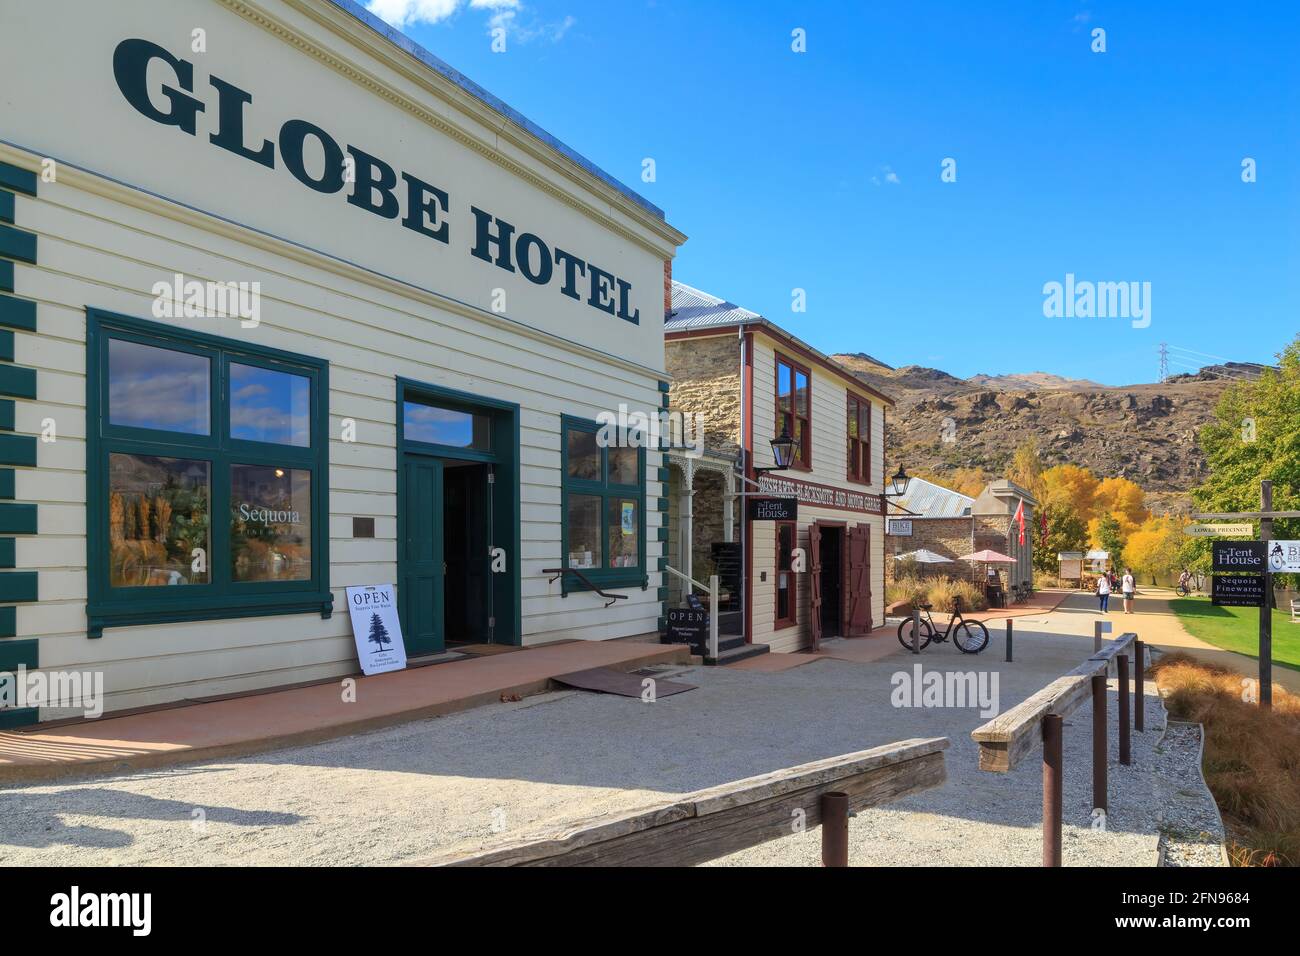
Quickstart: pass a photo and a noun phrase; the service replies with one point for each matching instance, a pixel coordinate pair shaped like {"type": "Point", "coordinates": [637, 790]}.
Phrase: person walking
{"type": "Point", "coordinates": [1128, 585]}
{"type": "Point", "coordinates": [1103, 592]}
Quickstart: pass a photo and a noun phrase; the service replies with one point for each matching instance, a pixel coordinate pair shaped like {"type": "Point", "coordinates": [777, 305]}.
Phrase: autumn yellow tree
{"type": "Point", "coordinates": [1153, 549]}
{"type": "Point", "coordinates": [1073, 487]}
{"type": "Point", "coordinates": [1125, 501]}
{"type": "Point", "coordinates": [964, 481]}
{"type": "Point", "coordinates": [1027, 469]}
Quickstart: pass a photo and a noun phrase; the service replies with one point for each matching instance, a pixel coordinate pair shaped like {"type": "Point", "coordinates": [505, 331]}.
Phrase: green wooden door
{"type": "Point", "coordinates": [420, 565]}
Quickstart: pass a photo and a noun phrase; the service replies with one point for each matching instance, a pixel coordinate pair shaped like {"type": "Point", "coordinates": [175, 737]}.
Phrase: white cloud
{"type": "Point", "coordinates": [502, 14]}
{"type": "Point", "coordinates": [399, 13]}
{"type": "Point", "coordinates": [887, 175]}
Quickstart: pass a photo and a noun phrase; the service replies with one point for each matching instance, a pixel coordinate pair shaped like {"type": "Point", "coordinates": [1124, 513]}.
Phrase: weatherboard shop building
{"type": "Point", "coordinates": [425, 304]}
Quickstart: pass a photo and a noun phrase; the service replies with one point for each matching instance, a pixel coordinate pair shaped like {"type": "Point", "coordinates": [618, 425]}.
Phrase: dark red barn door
{"type": "Point", "coordinates": [858, 597]}
{"type": "Point", "coordinates": [815, 584]}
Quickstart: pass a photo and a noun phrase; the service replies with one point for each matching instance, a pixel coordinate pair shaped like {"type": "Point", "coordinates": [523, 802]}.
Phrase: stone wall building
{"type": "Point", "coordinates": [784, 583]}
{"type": "Point", "coordinates": [933, 518]}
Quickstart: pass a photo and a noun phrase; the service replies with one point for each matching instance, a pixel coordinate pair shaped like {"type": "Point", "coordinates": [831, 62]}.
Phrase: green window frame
{"type": "Point", "coordinates": [219, 596]}
{"type": "Point", "coordinates": [601, 573]}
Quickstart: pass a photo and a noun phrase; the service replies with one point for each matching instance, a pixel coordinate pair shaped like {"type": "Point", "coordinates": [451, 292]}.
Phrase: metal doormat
{"type": "Point", "coordinates": [603, 680]}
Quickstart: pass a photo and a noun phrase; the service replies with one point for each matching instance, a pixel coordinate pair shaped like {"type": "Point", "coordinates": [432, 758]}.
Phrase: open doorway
{"type": "Point", "coordinates": [467, 533]}
{"type": "Point", "coordinates": [831, 555]}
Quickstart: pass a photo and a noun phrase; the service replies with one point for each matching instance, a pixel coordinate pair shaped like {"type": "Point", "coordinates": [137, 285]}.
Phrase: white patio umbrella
{"type": "Point", "coordinates": [922, 556]}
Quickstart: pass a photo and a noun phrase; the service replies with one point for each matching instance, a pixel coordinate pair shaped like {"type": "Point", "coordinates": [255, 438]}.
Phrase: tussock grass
{"type": "Point", "coordinates": [937, 591]}
{"type": "Point", "coordinates": [1252, 756]}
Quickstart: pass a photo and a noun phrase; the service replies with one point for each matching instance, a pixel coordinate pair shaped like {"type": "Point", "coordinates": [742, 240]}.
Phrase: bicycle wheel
{"type": "Point", "coordinates": [971, 637]}
{"type": "Point", "coordinates": [905, 633]}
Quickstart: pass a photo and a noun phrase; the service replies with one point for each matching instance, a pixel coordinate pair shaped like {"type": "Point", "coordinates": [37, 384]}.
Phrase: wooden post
{"type": "Point", "coordinates": [1096, 636]}
{"type": "Point", "coordinates": [1125, 757]}
{"type": "Point", "coordinates": [835, 828]}
{"type": "Point", "coordinates": [1266, 609]}
{"type": "Point", "coordinates": [1139, 686]}
{"type": "Point", "coordinates": [1099, 755]}
{"type": "Point", "coordinates": [1009, 640]}
{"type": "Point", "coordinates": [1052, 761]}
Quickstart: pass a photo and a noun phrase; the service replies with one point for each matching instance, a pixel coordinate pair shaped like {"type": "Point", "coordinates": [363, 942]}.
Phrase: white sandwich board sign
{"type": "Point", "coordinates": [376, 628]}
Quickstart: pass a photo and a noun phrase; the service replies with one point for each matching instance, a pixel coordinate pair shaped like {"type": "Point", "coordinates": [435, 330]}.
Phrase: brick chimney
{"type": "Point", "coordinates": [668, 287]}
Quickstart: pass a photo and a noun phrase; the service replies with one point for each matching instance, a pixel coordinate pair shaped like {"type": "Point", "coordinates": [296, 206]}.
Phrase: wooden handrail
{"type": "Point", "coordinates": [591, 585]}
{"type": "Point", "coordinates": [1014, 733]}
{"type": "Point", "coordinates": [707, 824]}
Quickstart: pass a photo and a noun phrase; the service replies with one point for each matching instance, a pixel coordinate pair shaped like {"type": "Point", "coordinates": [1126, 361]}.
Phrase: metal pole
{"type": "Point", "coordinates": [835, 828]}
{"type": "Point", "coordinates": [1266, 609]}
{"type": "Point", "coordinates": [1099, 755]}
{"type": "Point", "coordinates": [1009, 640]}
{"type": "Point", "coordinates": [1052, 760]}
{"type": "Point", "coordinates": [1124, 756]}
{"type": "Point", "coordinates": [1096, 636]}
{"type": "Point", "coordinates": [916, 631]}
{"type": "Point", "coordinates": [713, 616]}
{"type": "Point", "coordinates": [1139, 686]}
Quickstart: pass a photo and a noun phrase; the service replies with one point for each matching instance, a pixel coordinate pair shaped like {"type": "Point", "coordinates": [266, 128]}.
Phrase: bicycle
{"type": "Point", "coordinates": [1189, 587]}
{"type": "Point", "coordinates": [971, 637]}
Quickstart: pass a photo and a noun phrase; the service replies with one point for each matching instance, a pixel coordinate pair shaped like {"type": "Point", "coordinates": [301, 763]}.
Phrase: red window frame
{"type": "Point", "coordinates": [859, 445]}
{"type": "Point", "coordinates": [798, 425]}
{"type": "Point", "coordinates": [792, 584]}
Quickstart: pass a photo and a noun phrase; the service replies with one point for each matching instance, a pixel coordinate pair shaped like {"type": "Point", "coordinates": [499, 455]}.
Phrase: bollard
{"type": "Point", "coordinates": [1124, 756]}
{"type": "Point", "coordinates": [1139, 686]}
{"type": "Point", "coordinates": [1096, 636]}
{"type": "Point", "coordinates": [1099, 742]}
{"type": "Point", "coordinates": [1008, 640]}
{"type": "Point", "coordinates": [835, 828]}
{"type": "Point", "coordinates": [1052, 760]}
{"type": "Point", "coordinates": [916, 631]}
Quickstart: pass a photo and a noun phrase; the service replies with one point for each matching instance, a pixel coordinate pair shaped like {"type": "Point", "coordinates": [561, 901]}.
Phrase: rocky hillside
{"type": "Point", "coordinates": [1143, 432]}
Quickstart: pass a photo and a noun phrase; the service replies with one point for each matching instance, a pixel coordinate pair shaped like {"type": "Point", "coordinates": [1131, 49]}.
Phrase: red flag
{"type": "Point", "coordinates": [1020, 520]}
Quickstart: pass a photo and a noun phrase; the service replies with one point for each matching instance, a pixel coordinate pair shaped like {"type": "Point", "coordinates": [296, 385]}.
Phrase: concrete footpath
{"type": "Point", "coordinates": [303, 715]}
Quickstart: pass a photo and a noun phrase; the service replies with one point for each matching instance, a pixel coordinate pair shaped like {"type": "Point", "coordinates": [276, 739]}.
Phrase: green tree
{"type": "Point", "coordinates": [1255, 434]}
{"type": "Point", "coordinates": [1110, 538]}
{"type": "Point", "coordinates": [1066, 531]}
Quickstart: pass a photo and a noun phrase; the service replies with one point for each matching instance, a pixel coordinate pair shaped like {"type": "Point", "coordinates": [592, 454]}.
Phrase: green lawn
{"type": "Point", "coordinates": [1237, 628]}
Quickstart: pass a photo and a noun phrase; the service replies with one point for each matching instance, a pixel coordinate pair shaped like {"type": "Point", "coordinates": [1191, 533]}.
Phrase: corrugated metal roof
{"type": "Point", "coordinates": [928, 500]}
{"type": "Point", "coordinates": [693, 309]}
{"type": "Point", "coordinates": [401, 40]}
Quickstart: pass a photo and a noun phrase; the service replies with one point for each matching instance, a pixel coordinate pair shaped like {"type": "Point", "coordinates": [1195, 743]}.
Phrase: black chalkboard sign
{"type": "Point", "coordinates": [687, 625]}
{"type": "Point", "coordinates": [1237, 590]}
{"type": "Point", "coordinates": [773, 509]}
{"type": "Point", "coordinates": [1239, 557]}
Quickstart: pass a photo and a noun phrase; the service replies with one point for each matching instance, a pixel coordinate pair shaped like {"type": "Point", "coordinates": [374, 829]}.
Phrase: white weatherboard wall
{"type": "Point", "coordinates": [829, 421]}
{"type": "Point", "coordinates": [374, 299]}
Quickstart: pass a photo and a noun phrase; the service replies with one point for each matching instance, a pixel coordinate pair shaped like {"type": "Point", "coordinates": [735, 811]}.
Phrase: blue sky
{"type": "Point", "coordinates": [821, 170]}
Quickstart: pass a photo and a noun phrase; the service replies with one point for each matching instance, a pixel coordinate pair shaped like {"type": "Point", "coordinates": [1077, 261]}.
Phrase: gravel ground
{"type": "Point", "coordinates": [1191, 829]}
{"type": "Point", "coordinates": [497, 772]}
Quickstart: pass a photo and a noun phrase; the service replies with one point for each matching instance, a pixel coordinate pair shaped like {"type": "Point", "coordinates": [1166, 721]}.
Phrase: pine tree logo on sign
{"type": "Point", "coordinates": [376, 628]}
